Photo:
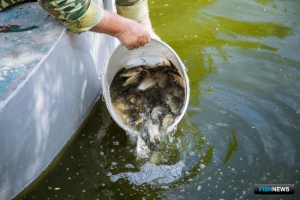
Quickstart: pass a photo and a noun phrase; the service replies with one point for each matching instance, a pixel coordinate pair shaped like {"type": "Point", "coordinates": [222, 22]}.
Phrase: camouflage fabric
{"type": "Point", "coordinates": [65, 9]}
{"type": "Point", "coordinates": [82, 15]}
{"type": "Point", "coordinates": [77, 15]}
{"type": "Point", "coordinates": [6, 3]}
{"type": "Point", "coordinates": [133, 9]}
{"type": "Point", "coordinates": [126, 2]}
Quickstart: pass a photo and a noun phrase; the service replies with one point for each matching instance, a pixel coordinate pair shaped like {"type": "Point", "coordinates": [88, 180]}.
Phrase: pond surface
{"type": "Point", "coordinates": [242, 124]}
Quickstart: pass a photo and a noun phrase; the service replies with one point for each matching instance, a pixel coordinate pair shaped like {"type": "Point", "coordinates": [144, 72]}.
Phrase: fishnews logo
{"type": "Point", "coordinates": [274, 188]}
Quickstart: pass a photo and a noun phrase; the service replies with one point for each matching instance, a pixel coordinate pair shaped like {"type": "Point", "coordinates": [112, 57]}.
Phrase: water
{"type": "Point", "coordinates": [243, 120]}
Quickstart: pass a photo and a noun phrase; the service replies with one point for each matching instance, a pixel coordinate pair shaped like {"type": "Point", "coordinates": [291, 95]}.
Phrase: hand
{"type": "Point", "coordinates": [130, 33]}
{"type": "Point", "coordinates": [133, 34]}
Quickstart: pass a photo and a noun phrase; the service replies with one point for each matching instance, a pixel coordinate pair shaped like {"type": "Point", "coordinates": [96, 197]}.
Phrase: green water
{"type": "Point", "coordinates": [242, 124]}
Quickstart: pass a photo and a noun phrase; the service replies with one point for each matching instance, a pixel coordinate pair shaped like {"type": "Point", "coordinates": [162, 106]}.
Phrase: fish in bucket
{"type": "Point", "coordinates": [146, 91]}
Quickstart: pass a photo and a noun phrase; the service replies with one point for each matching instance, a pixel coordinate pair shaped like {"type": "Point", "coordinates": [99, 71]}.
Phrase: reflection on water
{"type": "Point", "coordinates": [242, 124]}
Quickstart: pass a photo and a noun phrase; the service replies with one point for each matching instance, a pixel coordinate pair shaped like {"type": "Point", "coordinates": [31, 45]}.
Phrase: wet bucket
{"type": "Point", "coordinates": [153, 54]}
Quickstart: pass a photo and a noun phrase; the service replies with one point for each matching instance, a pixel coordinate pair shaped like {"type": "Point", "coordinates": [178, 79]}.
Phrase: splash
{"type": "Point", "coordinates": [152, 174]}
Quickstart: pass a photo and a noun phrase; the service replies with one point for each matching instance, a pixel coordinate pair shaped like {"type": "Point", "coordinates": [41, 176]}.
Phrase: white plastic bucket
{"type": "Point", "coordinates": [152, 54]}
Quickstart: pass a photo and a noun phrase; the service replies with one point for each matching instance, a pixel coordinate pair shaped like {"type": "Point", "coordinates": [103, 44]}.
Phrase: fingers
{"type": "Point", "coordinates": [148, 37]}
{"type": "Point", "coordinates": [134, 35]}
{"type": "Point", "coordinates": [139, 42]}
{"type": "Point", "coordinates": [145, 40]}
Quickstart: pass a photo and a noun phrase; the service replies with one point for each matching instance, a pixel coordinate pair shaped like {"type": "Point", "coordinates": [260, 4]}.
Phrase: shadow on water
{"type": "Point", "coordinates": [242, 121]}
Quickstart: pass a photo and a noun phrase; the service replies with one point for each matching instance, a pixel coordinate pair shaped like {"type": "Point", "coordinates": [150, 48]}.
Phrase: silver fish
{"type": "Point", "coordinates": [147, 83]}
{"type": "Point", "coordinates": [131, 71]}
{"type": "Point", "coordinates": [120, 103]}
{"type": "Point", "coordinates": [157, 112]}
{"type": "Point", "coordinates": [142, 149]}
{"type": "Point", "coordinates": [135, 79]}
{"type": "Point", "coordinates": [152, 131]}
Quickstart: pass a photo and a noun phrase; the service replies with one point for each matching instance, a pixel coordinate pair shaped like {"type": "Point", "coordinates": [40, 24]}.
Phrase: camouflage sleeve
{"type": "Point", "coordinates": [6, 3]}
{"type": "Point", "coordinates": [133, 9]}
{"type": "Point", "coordinates": [126, 2]}
{"type": "Point", "coordinates": [77, 15]}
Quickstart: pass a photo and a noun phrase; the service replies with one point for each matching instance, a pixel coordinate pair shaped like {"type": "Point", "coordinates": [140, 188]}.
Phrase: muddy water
{"type": "Point", "coordinates": [242, 125]}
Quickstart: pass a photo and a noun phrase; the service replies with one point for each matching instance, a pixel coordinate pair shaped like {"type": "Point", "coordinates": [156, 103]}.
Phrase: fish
{"type": "Point", "coordinates": [147, 83]}
{"type": "Point", "coordinates": [133, 98]}
{"type": "Point", "coordinates": [167, 121]}
{"type": "Point", "coordinates": [148, 100]}
{"type": "Point", "coordinates": [142, 149]}
{"type": "Point", "coordinates": [172, 90]}
{"type": "Point", "coordinates": [135, 79]}
{"type": "Point", "coordinates": [131, 71]}
{"type": "Point", "coordinates": [162, 79]}
{"type": "Point", "coordinates": [130, 119]}
{"type": "Point", "coordinates": [176, 79]}
{"type": "Point", "coordinates": [172, 67]}
{"type": "Point", "coordinates": [142, 104]}
{"type": "Point", "coordinates": [175, 104]}
{"type": "Point", "coordinates": [152, 132]}
{"type": "Point", "coordinates": [120, 103]}
{"type": "Point", "coordinates": [130, 90]}
{"type": "Point", "coordinates": [146, 73]}
{"type": "Point", "coordinates": [157, 112]}
{"type": "Point", "coordinates": [139, 120]}
{"type": "Point", "coordinates": [123, 116]}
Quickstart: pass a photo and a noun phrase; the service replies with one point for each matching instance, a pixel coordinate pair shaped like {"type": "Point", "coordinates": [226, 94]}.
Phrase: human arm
{"type": "Point", "coordinates": [130, 33]}
{"type": "Point", "coordinates": [84, 15]}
